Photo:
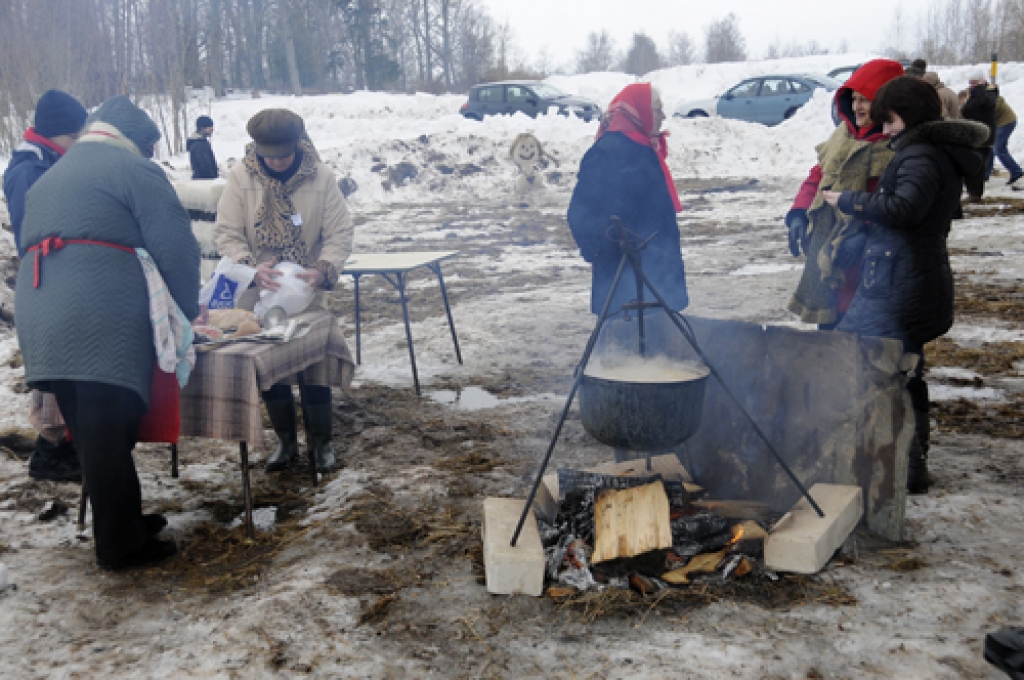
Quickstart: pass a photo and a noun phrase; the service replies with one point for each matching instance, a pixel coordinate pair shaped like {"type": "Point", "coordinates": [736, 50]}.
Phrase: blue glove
{"type": "Point", "coordinates": [797, 222]}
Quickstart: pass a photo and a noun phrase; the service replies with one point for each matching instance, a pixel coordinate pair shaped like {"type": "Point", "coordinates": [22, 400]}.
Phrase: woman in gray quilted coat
{"type": "Point", "coordinates": [82, 308]}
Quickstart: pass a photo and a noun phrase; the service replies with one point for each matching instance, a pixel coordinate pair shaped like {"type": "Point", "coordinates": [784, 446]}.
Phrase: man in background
{"type": "Point", "coordinates": [59, 119]}
{"type": "Point", "coordinates": [981, 107]}
{"type": "Point", "coordinates": [200, 153]}
{"type": "Point", "coordinates": [949, 100]}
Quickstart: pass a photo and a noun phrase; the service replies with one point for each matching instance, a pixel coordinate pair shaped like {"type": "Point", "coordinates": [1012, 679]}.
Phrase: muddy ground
{"type": "Point", "coordinates": [377, 572]}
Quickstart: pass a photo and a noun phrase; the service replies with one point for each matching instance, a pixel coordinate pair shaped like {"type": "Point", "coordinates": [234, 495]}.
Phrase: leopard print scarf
{"type": "Point", "coordinates": [275, 231]}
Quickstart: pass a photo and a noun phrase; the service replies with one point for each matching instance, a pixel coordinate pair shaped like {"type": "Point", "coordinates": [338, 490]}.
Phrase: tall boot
{"type": "Point", "coordinates": [918, 479]}
{"type": "Point", "coordinates": [319, 422]}
{"type": "Point", "coordinates": [282, 415]}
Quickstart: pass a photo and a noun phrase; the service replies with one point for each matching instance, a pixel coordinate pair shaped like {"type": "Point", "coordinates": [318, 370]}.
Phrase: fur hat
{"type": "Point", "coordinates": [932, 78]}
{"type": "Point", "coordinates": [58, 113]}
{"type": "Point", "coordinates": [276, 132]}
{"type": "Point", "coordinates": [203, 122]}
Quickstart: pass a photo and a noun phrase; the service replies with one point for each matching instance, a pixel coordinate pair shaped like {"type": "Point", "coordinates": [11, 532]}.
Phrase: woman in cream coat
{"type": "Point", "coordinates": [282, 204]}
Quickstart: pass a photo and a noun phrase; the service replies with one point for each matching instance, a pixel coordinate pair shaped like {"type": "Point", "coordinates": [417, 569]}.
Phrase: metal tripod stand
{"type": "Point", "coordinates": [631, 250]}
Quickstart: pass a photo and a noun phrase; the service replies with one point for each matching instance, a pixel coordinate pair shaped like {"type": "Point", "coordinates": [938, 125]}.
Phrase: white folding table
{"type": "Point", "coordinates": [395, 268]}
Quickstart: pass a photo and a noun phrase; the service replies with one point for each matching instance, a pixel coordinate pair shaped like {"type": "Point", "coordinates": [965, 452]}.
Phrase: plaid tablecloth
{"type": "Point", "coordinates": [222, 398]}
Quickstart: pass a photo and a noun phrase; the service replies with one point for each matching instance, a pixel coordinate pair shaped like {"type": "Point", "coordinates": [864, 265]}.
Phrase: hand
{"type": "Point", "coordinates": [797, 223]}
{"type": "Point", "coordinates": [313, 277]}
{"type": "Point", "coordinates": [265, 275]}
{"type": "Point", "coordinates": [203, 318]}
{"type": "Point", "coordinates": [832, 197]}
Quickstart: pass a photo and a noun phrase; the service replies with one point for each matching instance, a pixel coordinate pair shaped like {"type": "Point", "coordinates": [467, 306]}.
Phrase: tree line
{"type": "Point", "coordinates": [156, 50]}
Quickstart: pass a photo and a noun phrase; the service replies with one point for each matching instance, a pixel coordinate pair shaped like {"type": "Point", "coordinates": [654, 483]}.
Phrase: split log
{"type": "Point", "coordinates": [630, 522]}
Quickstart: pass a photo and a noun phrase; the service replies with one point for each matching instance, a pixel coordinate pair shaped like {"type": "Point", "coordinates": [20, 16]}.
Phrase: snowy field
{"type": "Point", "coordinates": [303, 600]}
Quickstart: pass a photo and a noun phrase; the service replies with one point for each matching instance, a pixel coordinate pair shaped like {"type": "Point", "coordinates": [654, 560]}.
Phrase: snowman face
{"type": "Point", "coordinates": [527, 152]}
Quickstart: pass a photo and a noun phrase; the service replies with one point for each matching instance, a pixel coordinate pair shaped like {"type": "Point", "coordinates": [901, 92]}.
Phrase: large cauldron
{"type": "Point", "coordinates": [643, 416]}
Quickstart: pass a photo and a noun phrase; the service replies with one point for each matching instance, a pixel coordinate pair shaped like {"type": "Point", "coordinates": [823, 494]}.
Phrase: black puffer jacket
{"type": "Point", "coordinates": [981, 106]}
{"type": "Point", "coordinates": [906, 284]}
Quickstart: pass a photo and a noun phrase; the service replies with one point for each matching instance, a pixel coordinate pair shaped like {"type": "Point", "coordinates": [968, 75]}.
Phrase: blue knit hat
{"type": "Point", "coordinates": [58, 113]}
{"type": "Point", "coordinates": [203, 122]}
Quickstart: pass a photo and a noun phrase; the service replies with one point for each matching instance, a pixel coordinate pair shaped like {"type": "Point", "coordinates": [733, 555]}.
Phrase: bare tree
{"type": "Point", "coordinates": [724, 41]}
{"type": "Point", "coordinates": [642, 56]}
{"type": "Point", "coordinates": [680, 49]}
{"type": "Point", "coordinates": [598, 55]}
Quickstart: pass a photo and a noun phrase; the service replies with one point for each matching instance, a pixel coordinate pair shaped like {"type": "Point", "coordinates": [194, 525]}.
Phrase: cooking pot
{"type": "Point", "coordinates": [643, 415]}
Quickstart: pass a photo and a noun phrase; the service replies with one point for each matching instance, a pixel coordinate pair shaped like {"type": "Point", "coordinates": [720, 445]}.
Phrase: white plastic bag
{"type": "Point", "coordinates": [227, 284]}
{"type": "Point", "coordinates": [293, 296]}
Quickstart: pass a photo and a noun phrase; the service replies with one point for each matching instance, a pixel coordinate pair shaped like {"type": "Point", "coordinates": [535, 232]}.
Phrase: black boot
{"type": "Point", "coordinates": [918, 480]}
{"type": "Point", "coordinates": [282, 416]}
{"type": "Point", "coordinates": [319, 422]}
{"type": "Point", "coordinates": [55, 462]}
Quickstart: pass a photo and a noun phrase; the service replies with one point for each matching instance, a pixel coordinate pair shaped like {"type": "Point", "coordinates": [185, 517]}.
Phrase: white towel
{"type": "Point", "coordinates": [172, 333]}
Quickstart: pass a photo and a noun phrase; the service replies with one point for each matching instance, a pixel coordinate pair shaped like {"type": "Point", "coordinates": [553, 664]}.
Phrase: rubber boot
{"type": "Point", "coordinates": [319, 422]}
{"type": "Point", "coordinates": [918, 479]}
{"type": "Point", "coordinates": [282, 416]}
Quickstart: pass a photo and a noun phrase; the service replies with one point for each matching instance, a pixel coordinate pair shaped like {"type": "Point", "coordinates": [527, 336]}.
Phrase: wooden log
{"type": "Point", "coordinates": [630, 522]}
{"type": "Point", "coordinates": [736, 509]}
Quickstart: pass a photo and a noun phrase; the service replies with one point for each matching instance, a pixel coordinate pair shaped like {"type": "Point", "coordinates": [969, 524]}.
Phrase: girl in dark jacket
{"type": "Point", "coordinates": [624, 174]}
{"type": "Point", "coordinates": [906, 283]}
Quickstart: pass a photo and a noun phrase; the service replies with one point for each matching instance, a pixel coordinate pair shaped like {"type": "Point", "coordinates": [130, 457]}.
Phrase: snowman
{"type": "Point", "coordinates": [528, 155]}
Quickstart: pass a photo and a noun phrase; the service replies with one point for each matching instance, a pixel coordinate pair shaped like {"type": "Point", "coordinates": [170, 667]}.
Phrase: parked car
{"type": "Point", "coordinates": [765, 99]}
{"type": "Point", "coordinates": [526, 96]}
{"type": "Point", "coordinates": [843, 73]}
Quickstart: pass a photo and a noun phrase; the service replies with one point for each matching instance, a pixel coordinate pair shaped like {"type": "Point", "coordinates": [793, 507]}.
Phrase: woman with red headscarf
{"type": "Point", "coordinates": [624, 175]}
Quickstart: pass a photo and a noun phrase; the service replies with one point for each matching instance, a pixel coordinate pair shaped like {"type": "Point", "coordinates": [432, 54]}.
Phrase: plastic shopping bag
{"type": "Point", "coordinates": [227, 284]}
{"type": "Point", "coordinates": [293, 296]}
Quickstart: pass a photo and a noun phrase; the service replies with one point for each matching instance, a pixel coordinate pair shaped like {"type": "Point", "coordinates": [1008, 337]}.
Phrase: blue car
{"type": "Point", "coordinates": [768, 100]}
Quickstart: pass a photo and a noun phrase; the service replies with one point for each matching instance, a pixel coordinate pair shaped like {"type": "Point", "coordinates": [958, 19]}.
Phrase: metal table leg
{"type": "Point", "coordinates": [82, 502]}
{"type": "Point", "coordinates": [400, 285]}
{"type": "Point", "coordinates": [436, 268]}
{"type": "Point", "coordinates": [174, 461]}
{"type": "Point", "coordinates": [243, 449]}
{"type": "Point", "coordinates": [359, 352]}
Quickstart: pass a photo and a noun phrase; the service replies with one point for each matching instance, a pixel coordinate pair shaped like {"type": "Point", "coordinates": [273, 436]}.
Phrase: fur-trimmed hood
{"type": "Point", "coordinates": [943, 132]}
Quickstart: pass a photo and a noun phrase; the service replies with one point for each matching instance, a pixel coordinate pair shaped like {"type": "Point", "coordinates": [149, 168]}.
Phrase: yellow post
{"type": "Point", "coordinates": [995, 66]}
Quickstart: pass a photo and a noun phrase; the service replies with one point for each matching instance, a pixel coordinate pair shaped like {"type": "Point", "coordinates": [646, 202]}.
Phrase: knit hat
{"type": "Point", "coordinates": [977, 77]}
{"type": "Point", "coordinates": [133, 122]}
{"type": "Point", "coordinates": [275, 132]}
{"type": "Point", "coordinates": [204, 122]}
{"type": "Point", "coordinates": [58, 113]}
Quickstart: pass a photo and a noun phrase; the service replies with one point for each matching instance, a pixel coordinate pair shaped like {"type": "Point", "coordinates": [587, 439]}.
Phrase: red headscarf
{"type": "Point", "coordinates": [631, 113]}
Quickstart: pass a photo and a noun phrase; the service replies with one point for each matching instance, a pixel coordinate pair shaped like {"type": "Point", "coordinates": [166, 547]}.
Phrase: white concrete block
{"type": "Point", "coordinates": [801, 541]}
{"type": "Point", "coordinates": [511, 570]}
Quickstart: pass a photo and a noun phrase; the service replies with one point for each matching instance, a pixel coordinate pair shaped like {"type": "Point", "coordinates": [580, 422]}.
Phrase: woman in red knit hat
{"type": "Point", "coordinates": [852, 159]}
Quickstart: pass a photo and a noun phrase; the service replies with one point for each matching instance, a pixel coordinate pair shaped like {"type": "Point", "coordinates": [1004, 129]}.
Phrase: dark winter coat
{"type": "Point", "coordinates": [28, 163]}
{"type": "Point", "coordinates": [906, 283]}
{"type": "Point", "coordinates": [620, 177]}
{"type": "Point", "coordinates": [981, 106]}
{"type": "Point", "coordinates": [89, 318]}
{"type": "Point", "coordinates": [200, 153]}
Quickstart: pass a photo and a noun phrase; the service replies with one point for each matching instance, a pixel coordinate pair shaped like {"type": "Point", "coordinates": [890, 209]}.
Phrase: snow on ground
{"type": "Point", "coordinates": [520, 297]}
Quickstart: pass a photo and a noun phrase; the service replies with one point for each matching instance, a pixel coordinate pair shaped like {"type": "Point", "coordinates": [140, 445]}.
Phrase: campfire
{"type": "Point", "coordinates": [648, 533]}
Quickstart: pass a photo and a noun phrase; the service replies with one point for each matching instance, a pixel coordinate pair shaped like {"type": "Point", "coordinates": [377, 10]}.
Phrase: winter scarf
{"type": "Point", "coordinates": [275, 230]}
{"type": "Point", "coordinates": [847, 164]}
{"type": "Point", "coordinates": [34, 137]}
{"type": "Point", "coordinates": [631, 113]}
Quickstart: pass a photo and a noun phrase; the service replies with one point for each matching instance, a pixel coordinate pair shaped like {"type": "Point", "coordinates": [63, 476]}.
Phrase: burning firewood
{"type": "Point", "coordinates": [630, 522]}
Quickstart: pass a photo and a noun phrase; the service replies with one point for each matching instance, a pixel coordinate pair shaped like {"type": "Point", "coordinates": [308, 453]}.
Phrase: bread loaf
{"type": "Point", "coordinates": [231, 318]}
{"type": "Point", "coordinates": [246, 328]}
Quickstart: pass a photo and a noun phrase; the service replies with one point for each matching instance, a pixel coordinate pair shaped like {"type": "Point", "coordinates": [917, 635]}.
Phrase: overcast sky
{"type": "Point", "coordinates": [562, 25]}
